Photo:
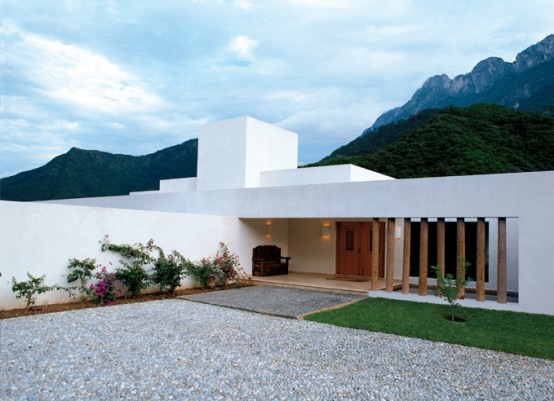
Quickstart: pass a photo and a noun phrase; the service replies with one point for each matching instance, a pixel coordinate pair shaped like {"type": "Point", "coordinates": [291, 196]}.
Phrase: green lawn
{"type": "Point", "coordinates": [514, 332]}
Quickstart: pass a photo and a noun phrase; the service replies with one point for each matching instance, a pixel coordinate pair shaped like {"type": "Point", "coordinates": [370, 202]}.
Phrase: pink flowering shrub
{"type": "Point", "coordinates": [132, 273]}
{"type": "Point", "coordinates": [106, 289]}
{"type": "Point", "coordinates": [226, 266]}
{"type": "Point", "coordinates": [222, 270]}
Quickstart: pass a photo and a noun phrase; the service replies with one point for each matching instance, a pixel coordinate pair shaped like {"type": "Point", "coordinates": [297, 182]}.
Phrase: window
{"type": "Point", "coordinates": [349, 246]}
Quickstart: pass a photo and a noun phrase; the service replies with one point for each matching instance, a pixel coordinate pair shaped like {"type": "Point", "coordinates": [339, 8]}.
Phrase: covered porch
{"type": "Point", "coordinates": [407, 247]}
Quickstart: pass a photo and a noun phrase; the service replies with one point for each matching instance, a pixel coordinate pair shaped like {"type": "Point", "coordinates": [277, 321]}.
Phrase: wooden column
{"type": "Point", "coordinates": [501, 296]}
{"type": "Point", "coordinates": [375, 255]}
{"type": "Point", "coordinates": [390, 254]}
{"type": "Point", "coordinates": [406, 261]}
{"type": "Point", "coordinates": [441, 235]}
{"type": "Point", "coordinates": [460, 253]}
{"type": "Point", "coordinates": [481, 249]}
{"type": "Point", "coordinates": [423, 256]}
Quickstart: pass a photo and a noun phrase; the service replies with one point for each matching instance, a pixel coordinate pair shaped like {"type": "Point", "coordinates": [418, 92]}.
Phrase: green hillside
{"type": "Point", "coordinates": [480, 139]}
{"type": "Point", "coordinates": [88, 173]}
{"type": "Point", "coordinates": [372, 141]}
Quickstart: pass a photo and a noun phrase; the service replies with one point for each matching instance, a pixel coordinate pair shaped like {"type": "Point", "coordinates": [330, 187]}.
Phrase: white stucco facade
{"type": "Point", "coordinates": [247, 177]}
{"type": "Point", "coordinates": [243, 148]}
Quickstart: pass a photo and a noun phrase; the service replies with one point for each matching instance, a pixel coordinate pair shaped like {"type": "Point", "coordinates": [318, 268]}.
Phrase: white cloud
{"type": "Point", "coordinates": [243, 4]}
{"type": "Point", "coordinates": [338, 4]}
{"type": "Point", "coordinates": [78, 76]}
{"type": "Point", "coordinates": [242, 46]}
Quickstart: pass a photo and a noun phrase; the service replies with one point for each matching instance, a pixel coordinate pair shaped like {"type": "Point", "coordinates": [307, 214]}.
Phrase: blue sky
{"type": "Point", "coordinates": [133, 77]}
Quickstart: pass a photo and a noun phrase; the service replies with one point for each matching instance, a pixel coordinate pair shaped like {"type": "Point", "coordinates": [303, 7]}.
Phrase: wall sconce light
{"type": "Point", "coordinates": [268, 229]}
{"type": "Point", "coordinates": [326, 230]}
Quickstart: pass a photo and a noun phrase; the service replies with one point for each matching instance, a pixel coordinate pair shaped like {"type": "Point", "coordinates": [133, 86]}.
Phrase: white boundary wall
{"type": "Point", "coordinates": [40, 238]}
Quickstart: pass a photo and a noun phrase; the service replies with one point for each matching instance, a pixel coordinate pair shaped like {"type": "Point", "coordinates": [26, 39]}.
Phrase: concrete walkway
{"type": "Point", "coordinates": [276, 301]}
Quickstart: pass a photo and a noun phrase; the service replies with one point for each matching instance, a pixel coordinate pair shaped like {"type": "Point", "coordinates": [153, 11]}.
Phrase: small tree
{"type": "Point", "coordinates": [30, 288]}
{"type": "Point", "coordinates": [449, 288]}
{"type": "Point", "coordinates": [82, 271]}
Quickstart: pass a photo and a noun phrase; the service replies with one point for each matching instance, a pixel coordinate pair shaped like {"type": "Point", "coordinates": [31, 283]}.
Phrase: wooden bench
{"type": "Point", "coordinates": [267, 261]}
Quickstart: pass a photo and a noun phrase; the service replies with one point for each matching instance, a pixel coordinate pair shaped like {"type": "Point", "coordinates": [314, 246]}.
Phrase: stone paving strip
{"type": "Point", "coordinates": [181, 350]}
{"type": "Point", "coordinates": [276, 301]}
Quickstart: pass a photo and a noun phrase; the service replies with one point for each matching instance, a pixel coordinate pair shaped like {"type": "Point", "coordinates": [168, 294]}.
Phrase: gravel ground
{"type": "Point", "coordinates": [276, 301]}
{"type": "Point", "coordinates": [181, 350]}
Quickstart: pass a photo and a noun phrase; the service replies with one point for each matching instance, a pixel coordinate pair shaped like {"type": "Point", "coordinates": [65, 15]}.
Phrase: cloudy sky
{"type": "Point", "coordinates": [133, 77]}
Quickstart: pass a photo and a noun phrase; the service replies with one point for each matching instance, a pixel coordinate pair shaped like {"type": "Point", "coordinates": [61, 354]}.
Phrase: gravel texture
{"type": "Point", "coordinates": [181, 350]}
{"type": "Point", "coordinates": [276, 301]}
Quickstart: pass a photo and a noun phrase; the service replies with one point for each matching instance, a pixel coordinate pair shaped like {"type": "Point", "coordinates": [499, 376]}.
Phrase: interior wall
{"type": "Point", "coordinates": [309, 250]}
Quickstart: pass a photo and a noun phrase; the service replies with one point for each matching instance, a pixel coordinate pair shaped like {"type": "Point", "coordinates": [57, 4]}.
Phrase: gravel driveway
{"type": "Point", "coordinates": [181, 350]}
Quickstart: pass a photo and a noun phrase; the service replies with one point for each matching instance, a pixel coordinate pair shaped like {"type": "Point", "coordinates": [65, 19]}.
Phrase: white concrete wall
{"type": "Point", "coordinates": [319, 175]}
{"type": "Point", "coordinates": [40, 238]}
{"type": "Point", "coordinates": [232, 153]}
{"type": "Point", "coordinates": [362, 174]}
{"type": "Point", "coordinates": [178, 185]}
{"type": "Point", "coordinates": [268, 148]}
{"type": "Point", "coordinates": [222, 155]}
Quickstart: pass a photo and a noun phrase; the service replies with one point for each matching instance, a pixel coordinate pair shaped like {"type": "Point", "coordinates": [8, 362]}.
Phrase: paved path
{"type": "Point", "coordinates": [181, 350]}
{"type": "Point", "coordinates": [276, 301]}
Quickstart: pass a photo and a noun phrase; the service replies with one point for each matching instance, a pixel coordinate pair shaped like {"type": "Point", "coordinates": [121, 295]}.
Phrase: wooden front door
{"type": "Point", "coordinates": [354, 248]}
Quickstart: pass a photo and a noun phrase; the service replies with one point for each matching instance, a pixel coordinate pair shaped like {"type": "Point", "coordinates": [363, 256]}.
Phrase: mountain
{"type": "Point", "coordinates": [525, 84]}
{"type": "Point", "coordinates": [88, 173]}
{"type": "Point", "coordinates": [480, 139]}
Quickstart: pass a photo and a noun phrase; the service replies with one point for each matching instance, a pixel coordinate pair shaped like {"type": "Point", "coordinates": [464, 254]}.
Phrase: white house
{"type": "Point", "coordinates": [249, 191]}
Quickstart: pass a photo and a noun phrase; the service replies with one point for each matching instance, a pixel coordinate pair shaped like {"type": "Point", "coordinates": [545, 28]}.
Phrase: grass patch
{"type": "Point", "coordinates": [514, 332]}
